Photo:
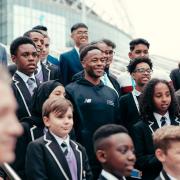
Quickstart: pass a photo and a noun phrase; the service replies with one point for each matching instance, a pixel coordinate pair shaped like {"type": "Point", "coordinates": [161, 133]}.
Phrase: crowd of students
{"type": "Point", "coordinates": [80, 121]}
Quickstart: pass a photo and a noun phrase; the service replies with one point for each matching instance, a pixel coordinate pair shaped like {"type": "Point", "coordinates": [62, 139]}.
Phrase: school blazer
{"type": "Point", "coordinates": [163, 176]}
{"type": "Point", "coordinates": [31, 132]}
{"type": "Point", "coordinates": [45, 160]}
{"type": "Point", "coordinates": [128, 111]}
{"type": "Point", "coordinates": [144, 148]}
{"type": "Point", "coordinates": [50, 72]}
{"type": "Point", "coordinates": [22, 96]}
{"type": "Point", "coordinates": [69, 64]}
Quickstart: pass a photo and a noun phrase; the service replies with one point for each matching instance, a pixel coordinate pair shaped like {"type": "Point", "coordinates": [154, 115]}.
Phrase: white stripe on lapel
{"type": "Point", "coordinates": [27, 109]}
{"type": "Point", "coordinates": [54, 156]}
{"type": "Point", "coordinates": [177, 120]}
{"type": "Point", "coordinates": [161, 175]}
{"type": "Point", "coordinates": [80, 158]}
{"type": "Point", "coordinates": [49, 72]}
{"type": "Point", "coordinates": [151, 123]}
{"type": "Point", "coordinates": [31, 131]}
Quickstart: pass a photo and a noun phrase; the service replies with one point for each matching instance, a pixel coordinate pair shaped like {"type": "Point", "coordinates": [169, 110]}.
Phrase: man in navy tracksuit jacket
{"type": "Point", "coordinates": [94, 103]}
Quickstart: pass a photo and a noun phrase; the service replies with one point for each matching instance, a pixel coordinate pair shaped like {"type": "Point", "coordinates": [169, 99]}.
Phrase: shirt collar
{"type": "Point", "coordinates": [108, 175]}
{"type": "Point", "coordinates": [171, 177]}
{"type": "Point", "coordinates": [158, 118]}
{"type": "Point", "coordinates": [77, 49]}
{"type": "Point", "coordinates": [39, 67]}
{"type": "Point", "coordinates": [60, 140]}
{"type": "Point", "coordinates": [24, 76]}
{"type": "Point", "coordinates": [136, 92]}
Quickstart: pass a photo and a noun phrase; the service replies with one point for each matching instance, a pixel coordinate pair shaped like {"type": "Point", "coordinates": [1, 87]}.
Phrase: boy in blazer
{"type": "Point", "coordinates": [115, 151]}
{"type": "Point", "coordinates": [55, 155]}
{"type": "Point", "coordinates": [167, 143]}
{"type": "Point", "coordinates": [140, 70]}
{"type": "Point", "coordinates": [24, 55]}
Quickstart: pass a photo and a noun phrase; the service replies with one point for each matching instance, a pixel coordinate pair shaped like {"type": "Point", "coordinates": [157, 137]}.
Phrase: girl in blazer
{"type": "Point", "coordinates": [158, 107]}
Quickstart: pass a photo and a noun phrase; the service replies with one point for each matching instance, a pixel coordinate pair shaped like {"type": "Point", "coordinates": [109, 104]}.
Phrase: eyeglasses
{"type": "Point", "coordinates": [82, 33]}
{"type": "Point", "coordinates": [142, 70]}
{"type": "Point", "coordinates": [109, 52]}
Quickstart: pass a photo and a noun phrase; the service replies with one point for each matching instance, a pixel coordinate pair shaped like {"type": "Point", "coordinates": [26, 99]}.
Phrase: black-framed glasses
{"type": "Point", "coordinates": [142, 70]}
{"type": "Point", "coordinates": [82, 33]}
{"type": "Point", "coordinates": [109, 52]}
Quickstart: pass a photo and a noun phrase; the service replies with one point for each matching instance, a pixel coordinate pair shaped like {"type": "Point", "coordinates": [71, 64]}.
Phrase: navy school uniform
{"type": "Point", "coordinates": [46, 160]}
{"type": "Point", "coordinates": [145, 152]}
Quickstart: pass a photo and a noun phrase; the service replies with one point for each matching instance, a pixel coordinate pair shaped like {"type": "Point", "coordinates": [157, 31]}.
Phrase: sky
{"type": "Point", "coordinates": [158, 21]}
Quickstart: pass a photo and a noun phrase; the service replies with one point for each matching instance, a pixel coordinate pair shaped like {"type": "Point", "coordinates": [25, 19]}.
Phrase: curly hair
{"type": "Point", "coordinates": [133, 63]}
{"type": "Point", "coordinates": [147, 106]}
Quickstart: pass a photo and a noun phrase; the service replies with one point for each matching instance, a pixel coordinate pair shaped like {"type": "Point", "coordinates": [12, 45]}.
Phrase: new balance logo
{"type": "Point", "coordinates": [87, 100]}
{"type": "Point", "coordinates": [110, 102]}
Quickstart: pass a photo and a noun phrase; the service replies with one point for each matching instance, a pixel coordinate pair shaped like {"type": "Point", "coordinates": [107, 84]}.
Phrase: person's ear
{"type": "Point", "coordinates": [133, 75]}
{"type": "Point", "coordinates": [160, 155]}
{"type": "Point", "coordinates": [46, 121]}
{"type": "Point", "coordinates": [130, 55]}
{"type": "Point", "coordinates": [83, 63]}
{"type": "Point", "coordinates": [14, 59]}
{"type": "Point", "coordinates": [101, 156]}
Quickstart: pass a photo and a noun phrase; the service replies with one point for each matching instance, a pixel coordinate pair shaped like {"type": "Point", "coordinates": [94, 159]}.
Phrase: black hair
{"type": "Point", "coordinates": [86, 49]}
{"type": "Point", "coordinates": [28, 33]}
{"type": "Point", "coordinates": [109, 43]}
{"type": "Point", "coordinates": [40, 27]}
{"type": "Point", "coordinates": [146, 103]}
{"type": "Point", "coordinates": [105, 131]}
{"type": "Point", "coordinates": [138, 41]}
{"type": "Point", "coordinates": [78, 25]}
{"type": "Point", "coordinates": [133, 63]}
{"type": "Point", "coordinates": [19, 41]}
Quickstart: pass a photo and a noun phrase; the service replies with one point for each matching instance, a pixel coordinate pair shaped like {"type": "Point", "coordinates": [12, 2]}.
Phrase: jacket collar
{"type": "Point", "coordinates": [153, 125]}
{"type": "Point", "coordinates": [56, 152]}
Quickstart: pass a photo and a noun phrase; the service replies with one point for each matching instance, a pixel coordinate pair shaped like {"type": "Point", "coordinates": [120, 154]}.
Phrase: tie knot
{"type": "Point", "coordinates": [30, 81]}
{"type": "Point", "coordinates": [64, 144]}
{"type": "Point", "coordinates": [64, 148]}
{"type": "Point", "coordinates": [163, 121]}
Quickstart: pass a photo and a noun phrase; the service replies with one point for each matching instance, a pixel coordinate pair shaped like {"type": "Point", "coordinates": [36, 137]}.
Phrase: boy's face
{"type": "Point", "coordinates": [171, 158]}
{"type": "Point", "coordinates": [139, 51]}
{"type": "Point", "coordinates": [141, 78]}
{"type": "Point", "coordinates": [26, 59]}
{"type": "Point", "coordinates": [60, 125]}
{"type": "Point", "coordinates": [119, 157]}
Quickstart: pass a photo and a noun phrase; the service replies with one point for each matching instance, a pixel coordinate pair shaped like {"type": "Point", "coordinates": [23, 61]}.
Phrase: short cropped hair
{"type": "Point", "coordinates": [57, 105]}
{"type": "Point", "coordinates": [109, 43]}
{"type": "Point", "coordinates": [106, 131]}
{"type": "Point", "coordinates": [133, 63]}
{"type": "Point", "coordinates": [28, 33]}
{"type": "Point", "coordinates": [86, 49]}
{"type": "Point", "coordinates": [19, 41]}
{"type": "Point", "coordinates": [138, 41]}
{"type": "Point", "coordinates": [41, 27]}
{"type": "Point", "coordinates": [163, 137]}
{"type": "Point", "coordinates": [77, 26]}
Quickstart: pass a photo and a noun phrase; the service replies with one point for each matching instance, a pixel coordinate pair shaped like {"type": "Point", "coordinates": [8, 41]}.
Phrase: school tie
{"type": "Point", "coordinates": [64, 148]}
{"type": "Point", "coordinates": [31, 85]}
{"type": "Point", "coordinates": [163, 121]}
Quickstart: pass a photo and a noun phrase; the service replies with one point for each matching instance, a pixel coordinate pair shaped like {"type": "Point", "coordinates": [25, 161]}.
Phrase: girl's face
{"type": "Point", "coordinates": [59, 91]}
{"type": "Point", "coordinates": [161, 98]}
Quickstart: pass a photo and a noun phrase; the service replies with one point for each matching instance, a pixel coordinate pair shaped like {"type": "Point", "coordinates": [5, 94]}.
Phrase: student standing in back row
{"type": "Point", "coordinates": [69, 61]}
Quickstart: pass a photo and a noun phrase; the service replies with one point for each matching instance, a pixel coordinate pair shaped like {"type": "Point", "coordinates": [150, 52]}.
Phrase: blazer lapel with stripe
{"type": "Point", "coordinates": [57, 154]}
